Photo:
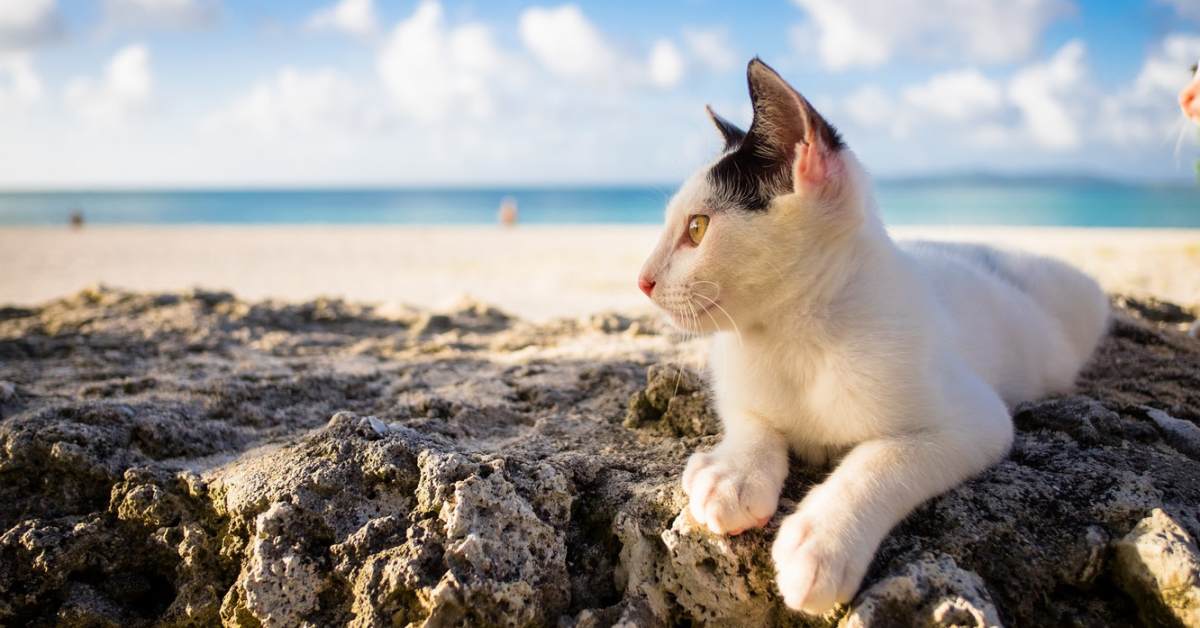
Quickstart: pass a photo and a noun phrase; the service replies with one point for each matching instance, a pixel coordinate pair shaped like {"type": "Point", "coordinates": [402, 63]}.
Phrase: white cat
{"type": "Point", "coordinates": [899, 363]}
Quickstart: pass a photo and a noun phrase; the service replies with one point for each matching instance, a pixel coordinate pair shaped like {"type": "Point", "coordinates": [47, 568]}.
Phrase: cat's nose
{"type": "Point", "coordinates": [646, 284]}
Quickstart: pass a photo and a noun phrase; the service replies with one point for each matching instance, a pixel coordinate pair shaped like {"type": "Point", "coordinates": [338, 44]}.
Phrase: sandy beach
{"type": "Point", "coordinates": [537, 273]}
{"type": "Point", "coordinates": [177, 456]}
{"type": "Point", "coordinates": [189, 458]}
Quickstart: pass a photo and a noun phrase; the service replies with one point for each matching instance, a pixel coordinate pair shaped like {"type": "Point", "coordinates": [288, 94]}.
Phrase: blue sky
{"type": "Point", "coordinates": [327, 92]}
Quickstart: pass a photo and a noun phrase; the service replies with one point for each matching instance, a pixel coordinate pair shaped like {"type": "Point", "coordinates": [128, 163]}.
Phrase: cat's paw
{"type": "Point", "coordinates": [817, 564]}
{"type": "Point", "coordinates": [730, 494]}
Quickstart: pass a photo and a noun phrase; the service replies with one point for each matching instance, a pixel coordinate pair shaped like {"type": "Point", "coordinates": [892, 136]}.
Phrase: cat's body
{"type": "Point", "coordinates": [895, 362]}
{"type": "Point", "coordinates": [1002, 316]}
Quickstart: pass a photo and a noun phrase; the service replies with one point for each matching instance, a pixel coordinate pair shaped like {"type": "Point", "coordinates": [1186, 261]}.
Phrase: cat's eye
{"type": "Point", "coordinates": [697, 225]}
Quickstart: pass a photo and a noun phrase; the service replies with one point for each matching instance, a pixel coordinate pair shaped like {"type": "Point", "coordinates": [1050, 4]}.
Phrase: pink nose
{"type": "Point", "coordinates": [646, 285]}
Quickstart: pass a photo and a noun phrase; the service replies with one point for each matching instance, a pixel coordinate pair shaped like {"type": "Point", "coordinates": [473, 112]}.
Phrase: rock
{"type": "Point", "coordinates": [209, 298]}
{"type": "Point", "coordinates": [1180, 434]}
{"type": "Point", "coordinates": [706, 576]}
{"type": "Point", "coordinates": [8, 391]}
{"type": "Point", "coordinates": [1158, 563]}
{"type": "Point", "coordinates": [1089, 558]}
{"type": "Point", "coordinates": [609, 322]}
{"type": "Point", "coordinates": [194, 459]}
{"type": "Point", "coordinates": [433, 324]}
{"type": "Point", "coordinates": [675, 401]}
{"type": "Point", "coordinates": [1152, 309]}
{"type": "Point", "coordinates": [930, 591]}
{"type": "Point", "coordinates": [280, 583]}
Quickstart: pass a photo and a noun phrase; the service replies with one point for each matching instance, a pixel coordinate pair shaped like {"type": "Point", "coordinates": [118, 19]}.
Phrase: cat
{"type": "Point", "coordinates": [897, 363]}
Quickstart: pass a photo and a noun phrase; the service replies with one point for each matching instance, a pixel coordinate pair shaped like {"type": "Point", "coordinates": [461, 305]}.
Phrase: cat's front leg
{"type": "Point", "coordinates": [824, 548]}
{"type": "Point", "coordinates": [736, 486]}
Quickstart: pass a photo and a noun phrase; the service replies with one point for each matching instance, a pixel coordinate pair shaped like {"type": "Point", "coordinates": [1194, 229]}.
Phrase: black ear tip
{"type": "Point", "coordinates": [729, 131]}
{"type": "Point", "coordinates": [753, 66]}
{"type": "Point", "coordinates": [759, 73]}
{"type": "Point", "coordinates": [757, 66]}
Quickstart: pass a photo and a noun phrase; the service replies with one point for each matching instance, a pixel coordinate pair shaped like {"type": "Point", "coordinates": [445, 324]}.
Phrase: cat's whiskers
{"type": "Point", "coordinates": [715, 285]}
{"type": "Point", "coordinates": [725, 354]}
{"type": "Point", "coordinates": [688, 334]}
{"type": "Point", "coordinates": [737, 331]}
{"type": "Point", "coordinates": [693, 293]}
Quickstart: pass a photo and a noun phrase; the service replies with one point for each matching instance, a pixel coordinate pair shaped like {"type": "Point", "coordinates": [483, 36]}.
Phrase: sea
{"type": "Point", "coordinates": [935, 201]}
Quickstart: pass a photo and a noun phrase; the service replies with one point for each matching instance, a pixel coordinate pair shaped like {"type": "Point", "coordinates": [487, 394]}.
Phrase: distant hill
{"type": "Point", "coordinates": [994, 178]}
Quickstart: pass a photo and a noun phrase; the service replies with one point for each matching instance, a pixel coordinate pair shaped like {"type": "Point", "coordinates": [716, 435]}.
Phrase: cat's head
{"type": "Point", "coordinates": [762, 221]}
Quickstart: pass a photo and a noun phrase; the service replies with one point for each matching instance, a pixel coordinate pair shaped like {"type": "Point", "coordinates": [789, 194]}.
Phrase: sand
{"type": "Point", "coordinates": [535, 272]}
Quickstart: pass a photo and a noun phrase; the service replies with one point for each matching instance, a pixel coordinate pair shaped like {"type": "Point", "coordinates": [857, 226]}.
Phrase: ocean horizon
{"type": "Point", "coordinates": [966, 200]}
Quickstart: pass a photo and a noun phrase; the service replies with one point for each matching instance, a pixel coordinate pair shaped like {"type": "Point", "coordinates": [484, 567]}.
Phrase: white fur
{"type": "Point", "coordinates": [896, 361]}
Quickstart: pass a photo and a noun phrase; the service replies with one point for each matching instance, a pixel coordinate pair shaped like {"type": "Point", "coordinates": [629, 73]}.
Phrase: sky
{"type": "Point", "coordinates": [163, 93]}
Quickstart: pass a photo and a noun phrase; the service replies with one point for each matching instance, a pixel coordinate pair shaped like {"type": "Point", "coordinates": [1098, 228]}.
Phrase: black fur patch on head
{"type": "Point", "coordinates": [747, 179]}
{"type": "Point", "coordinates": [759, 167]}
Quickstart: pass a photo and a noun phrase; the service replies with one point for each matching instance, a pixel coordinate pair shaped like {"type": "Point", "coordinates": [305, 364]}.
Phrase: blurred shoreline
{"type": "Point", "coordinates": [935, 200]}
{"type": "Point", "coordinates": [537, 272]}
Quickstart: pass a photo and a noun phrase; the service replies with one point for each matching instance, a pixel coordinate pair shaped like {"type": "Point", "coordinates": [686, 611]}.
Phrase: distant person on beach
{"type": "Point", "coordinates": [508, 212]}
{"type": "Point", "coordinates": [1189, 98]}
{"type": "Point", "coordinates": [76, 220]}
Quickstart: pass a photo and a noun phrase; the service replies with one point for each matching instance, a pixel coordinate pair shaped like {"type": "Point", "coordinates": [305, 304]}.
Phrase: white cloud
{"type": "Point", "coordinates": [355, 17]}
{"type": "Point", "coordinates": [161, 13]}
{"type": "Point", "coordinates": [1044, 93]}
{"type": "Point", "coordinates": [566, 43]}
{"type": "Point", "coordinates": [125, 88]}
{"type": "Point", "coordinates": [1165, 71]}
{"type": "Point", "coordinates": [568, 46]}
{"type": "Point", "coordinates": [1043, 104]}
{"type": "Point", "coordinates": [20, 85]}
{"type": "Point", "coordinates": [433, 71]}
{"type": "Point", "coordinates": [25, 23]}
{"type": "Point", "coordinates": [666, 64]}
{"type": "Point", "coordinates": [963, 100]}
{"type": "Point", "coordinates": [299, 101]}
{"type": "Point", "coordinates": [711, 47]}
{"type": "Point", "coordinates": [1147, 110]}
{"type": "Point", "coordinates": [849, 33]}
{"type": "Point", "coordinates": [871, 107]}
{"type": "Point", "coordinates": [1052, 105]}
{"type": "Point", "coordinates": [958, 95]}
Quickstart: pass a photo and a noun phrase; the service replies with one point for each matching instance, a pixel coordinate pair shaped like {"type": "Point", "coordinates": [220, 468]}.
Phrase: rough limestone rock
{"type": "Point", "coordinates": [1158, 563]}
{"type": "Point", "coordinates": [192, 459]}
{"type": "Point", "coordinates": [932, 588]}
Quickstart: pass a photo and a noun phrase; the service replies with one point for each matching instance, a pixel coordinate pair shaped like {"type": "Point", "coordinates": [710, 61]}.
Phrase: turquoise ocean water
{"type": "Point", "coordinates": [954, 201]}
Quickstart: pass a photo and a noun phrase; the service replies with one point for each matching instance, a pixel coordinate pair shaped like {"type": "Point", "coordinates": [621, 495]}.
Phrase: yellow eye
{"type": "Point", "coordinates": [696, 228]}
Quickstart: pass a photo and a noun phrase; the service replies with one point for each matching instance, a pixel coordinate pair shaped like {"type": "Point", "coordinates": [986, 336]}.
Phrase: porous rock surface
{"type": "Point", "coordinates": [192, 459]}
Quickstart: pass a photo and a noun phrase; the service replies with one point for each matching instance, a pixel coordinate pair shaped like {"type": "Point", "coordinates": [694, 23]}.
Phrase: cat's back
{"type": "Point", "coordinates": [1027, 309]}
{"type": "Point", "coordinates": [959, 256]}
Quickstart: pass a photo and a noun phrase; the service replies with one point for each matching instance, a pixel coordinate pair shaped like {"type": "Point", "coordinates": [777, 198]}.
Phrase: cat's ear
{"type": "Point", "coordinates": [788, 129]}
{"type": "Point", "coordinates": [732, 134]}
